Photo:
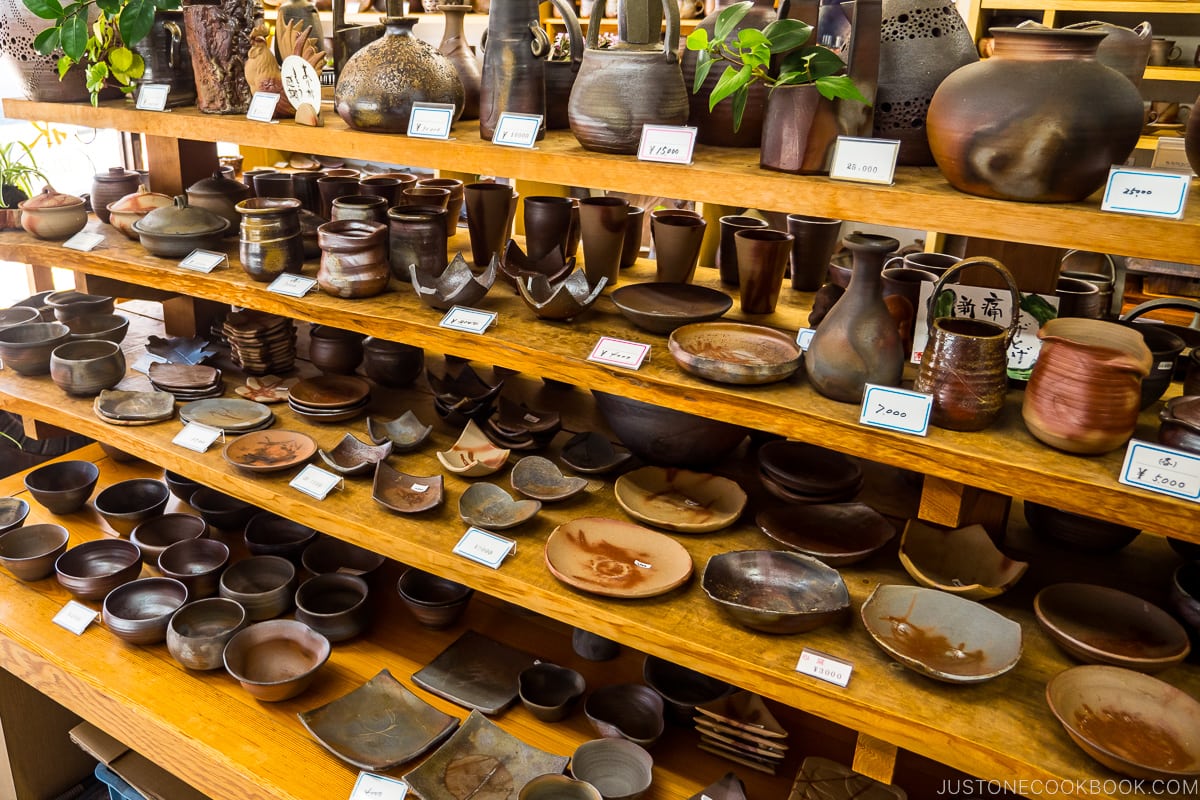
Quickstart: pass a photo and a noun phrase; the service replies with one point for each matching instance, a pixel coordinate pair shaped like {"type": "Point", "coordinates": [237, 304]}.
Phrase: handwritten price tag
{"type": "Point", "coordinates": [896, 409]}
{"type": "Point", "coordinates": [203, 260]}
{"type": "Point", "coordinates": [517, 130]}
{"type": "Point", "coordinates": [84, 240]}
{"type": "Point", "coordinates": [153, 97]}
{"type": "Point", "coordinates": [431, 120]}
{"type": "Point", "coordinates": [467, 320]}
{"type": "Point", "coordinates": [315, 482]}
{"type": "Point", "coordinates": [1146, 192]}
{"type": "Point", "coordinates": [195, 436]}
{"type": "Point", "coordinates": [670, 144]}
{"type": "Point", "coordinates": [484, 547]}
{"type": "Point", "coordinates": [804, 337]}
{"type": "Point", "coordinates": [75, 617]}
{"type": "Point", "coordinates": [370, 786]}
{"type": "Point", "coordinates": [619, 353]}
{"type": "Point", "coordinates": [292, 285]}
{"type": "Point", "coordinates": [262, 107]}
{"type": "Point", "coordinates": [1169, 154]}
{"type": "Point", "coordinates": [865, 160]}
{"type": "Point", "coordinates": [1162, 469]}
{"type": "Point", "coordinates": [824, 667]}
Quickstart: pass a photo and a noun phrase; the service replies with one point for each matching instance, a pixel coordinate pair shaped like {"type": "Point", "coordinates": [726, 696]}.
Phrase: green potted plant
{"type": "Point", "coordinates": [799, 77]}
{"type": "Point", "coordinates": [18, 170]}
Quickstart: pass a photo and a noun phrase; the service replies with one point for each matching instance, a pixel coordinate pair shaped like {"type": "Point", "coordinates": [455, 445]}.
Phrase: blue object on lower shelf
{"type": "Point", "coordinates": [117, 788]}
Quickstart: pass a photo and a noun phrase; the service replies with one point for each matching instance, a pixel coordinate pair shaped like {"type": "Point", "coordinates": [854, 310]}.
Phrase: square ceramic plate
{"type": "Point", "coordinates": [476, 672]}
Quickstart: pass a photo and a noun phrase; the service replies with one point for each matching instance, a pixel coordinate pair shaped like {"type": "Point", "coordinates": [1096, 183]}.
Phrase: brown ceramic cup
{"type": "Point", "coordinates": [361, 207]}
{"type": "Point", "coordinates": [677, 241]}
{"type": "Point", "coordinates": [1078, 298]}
{"type": "Point", "coordinates": [273, 184]}
{"type": "Point", "coordinates": [416, 235]}
{"type": "Point", "coordinates": [381, 186]}
{"type": "Point", "coordinates": [727, 248]}
{"type": "Point", "coordinates": [547, 224]}
{"type": "Point", "coordinates": [905, 283]}
{"type": "Point", "coordinates": [816, 239]}
{"type": "Point", "coordinates": [304, 189]}
{"type": "Point", "coordinates": [454, 202]}
{"type": "Point", "coordinates": [762, 258]}
{"type": "Point", "coordinates": [602, 223]}
{"type": "Point", "coordinates": [490, 210]}
{"type": "Point", "coordinates": [425, 196]}
{"type": "Point", "coordinates": [332, 187]}
{"type": "Point", "coordinates": [633, 236]}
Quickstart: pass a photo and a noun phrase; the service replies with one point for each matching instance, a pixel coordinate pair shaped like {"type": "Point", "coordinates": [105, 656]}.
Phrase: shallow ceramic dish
{"type": "Point", "coordinates": [269, 451]}
{"type": "Point", "coordinates": [618, 768]}
{"type": "Point", "coordinates": [836, 533]}
{"type": "Point", "coordinates": [198, 632]}
{"type": "Point", "coordinates": [627, 711]}
{"type": "Point", "coordinates": [475, 671]}
{"type": "Point", "coordinates": [823, 779]}
{"type": "Point", "coordinates": [404, 493]}
{"type": "Point", "coordinates": [549, 691]}
{"type": "Point", "coordinates": [1129, 722]}
{"type": "Point", "coordinates": [457, 286]}
{"type": "Point", "coordinates": [590, 453]}
{"type": "Point", "coordinates": [558, 787]}
{"type": "Point", "coordinates": [329, 392]}
{"type": "Point", "coordinates": [29, 553]}
{"type": "Point", "coordinates": [1078, 530]}
{"type": "Point", "coordinates": [616, 558]}
{"type": "Point", "coordinates": [465, 384]}
{"type": "Point", "coordinates": [1099, 625]}
{"type": "Point", "coordinates": [334, 605]}
{"type": "Point", "coordinates": [264, 585]}
{"type": "Point", "coordinates": [230, 415]}
{"type": "Point", "coordinates": [663, 307]}
{"type": "Point", "coordinates": [682, 689]}
{"type": "Point", "coordinates": [1185, 594]}
{"type": "Point", "coordinates": [947, 638]}
{"type": "Point", "coordinates": [774, 591]}
{"type": "Point", "coordinates": [405, 432]}
{"type": "Point", "coordinates": [220, 510]}
{"type": "Point", "coordinates": [473, 455]}
{"type": "Point", "coordinates": [486, 505]}
{"type": "Point", "coordinates": [1180, 422]}
{"type": "Point", "coordinates": [515, 265]}
{"type": "Point", "coordinates": [277, 659]}
{"type": "Point", "coordinates": [379, 725]}
{"type": "Point", "coordinates": [564, 300]}
{"type": "Point", "coordinates": [963, 561]}
{"type": "Point", "coordinates": [539, 478]}
{"type": "Point", "coordinates": [158, 533]}
{"type": "Point", "coordinates": [26, 348]}
{"type": "Point", "coordinates": [13, 511]}
{"type": "Point", "coordinates": [732, 352]}
{"type": "Point", "coordinates": [519, 419]}
{"type": "Point", "coordinates": [744, 711]}
{"type": "Point", "coordinates": [679, 499]}
{"type": "Point", "coordinates": [109, 327]}
{"type": "Point", "coordinates": [327, 555]}
{"type": "Point", "coordinates": [126, 504]}
{"type": "Point", "coordinates": [183, 377]}
{"type": "Point", "coordinates": [138, 612]}
{"type": "Point", "coordinates": [196, 563]}
{"type": "Point", "coordinates": [116, 404]}
{"type": "Point", "coordinates": [355, 457]}
{"type": "Point", "coordinates": [268, 534]}
{"type": "Point", "coordinates": [92, 569]}
{"type": "Point", "coordinates": [63, 486]}
{"type": "Point", "coordinates": [807, 469]}
{"type": "Point", "coordinates": [325, 416]}
{"type": "Point", "coordinates": [434, 601]}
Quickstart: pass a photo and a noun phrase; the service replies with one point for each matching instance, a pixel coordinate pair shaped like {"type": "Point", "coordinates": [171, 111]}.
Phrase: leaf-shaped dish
{"type": "Point", "coordinates": [406, 494]}
{"type": "Point", "coordinates": [352, 456]}
{"type": "Point", "coordinates": [457, 286]}
{"type": "Point", "coordinates": [486, 505]}
{"type": "Point", "coordinates": [615, 558]}
{"type": "Point", "coordinates": [539, 478]}
{"type": "Point", "coordinates": [180, 350]}
{"type": "Point", "coordinates": [473, 455]}
{"type": "Point", "coordinates": [679, 499]}
{"type": "Point", "coordinates": [405, 432]}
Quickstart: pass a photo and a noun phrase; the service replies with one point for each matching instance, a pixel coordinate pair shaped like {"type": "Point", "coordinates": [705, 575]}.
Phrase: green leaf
{"type": "Point", "coordinates": [74, 35]}
{"type": "Point", "coordinates": [787, 34]}
{"type": "Point", "coordinates": [824, 61]}
{"type": "Point", "coordinates": [749, 37]}
{"type": "Point", "coordinates": [839, 86]}
{"type": "Point", "coordinates": [96, 75]}
{"type": "Point", "coordinates": [64, 64]}
{"type": "Point", "coordinates": [45, 9]}
{"type": "Point", "coordinates": [121, 59]}
{"type": "Point", "coordinates": [739, 107]}
{"type": "Point", "coordinates": [704, 63]}
{"type": "Point", "coordinates": [136, 19]}
{"type": "Point", "coordinates": [728, 19]}
{"type": "Point", "coordinates": [697, 40]}
{"type": "Point", "coordinates": [110, 7]}
{"type": "Point", "coordinates": [731, 80]}
{"type": "Point", "coordinates": [46, 41]}
{"type": "Point", "coordinates": [792, 78]}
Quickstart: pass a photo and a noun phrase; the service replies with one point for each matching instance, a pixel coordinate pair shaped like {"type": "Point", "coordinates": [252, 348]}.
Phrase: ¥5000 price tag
{"type": "Point", "coordinates": [1162, 469]}
{"type": "Point", "coordinates": [896, 409]}
{"type": "Point", "coordinates": [1152, 193]}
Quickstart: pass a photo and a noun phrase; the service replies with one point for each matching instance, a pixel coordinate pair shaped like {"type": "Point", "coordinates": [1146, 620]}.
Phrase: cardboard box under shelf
{"type": "Point", "coordinates": [142, 774]}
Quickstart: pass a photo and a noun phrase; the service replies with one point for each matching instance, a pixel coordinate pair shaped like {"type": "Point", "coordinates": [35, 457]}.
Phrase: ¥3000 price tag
{"type": "Point", "coordinates": [1162, 469]}
{"type": "Point", "coordinates": [1147, 192]}
{"type": "Point", "coordinates": [485, 547]}
{"type": "Point", "coordinates": [824, 667]}
{"type": "Point", "coordinates": [896, 409]}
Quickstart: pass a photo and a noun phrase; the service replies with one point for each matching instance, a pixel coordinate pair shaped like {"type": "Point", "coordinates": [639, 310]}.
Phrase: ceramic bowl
{"type": "Point", "coordinates": [665, 436]}
{"type": "Point", "coordinates": [558, 787]}
{"type": "Point", "coordinates": [13, 511]}
{"type": "Point", "coordinates": [663, 307]}
{"type": "Point", "coordinates": [91, 570]}
{"type": "Point", "coordinates": [63, 486]}
{"type": "Point", "coordinates": [158, 533]}
{"type": "Point", "coordinates": [457, 286]}
{"type": "Point", "coordinates": [353, 456]}
{"type": "Point", "coordinates": [593, 647]}
{"type": "Point", "coordinates": [516, 266]}
{"type": "Point", "coordinates": [220, 510]}
{"type": "Point", "coordinates": [473, 455]}
{"type": "Point", "coordinates": [393, 364]}
{"type": "Point", "coordinates": [69, 304]}
{"type": "Point", "coordinates": [334, 605]}
{"type": "Point", "coordinates": [963, 561]}
{"type": "Point", "coordinates": [87, 367]}
{"type": "Point", "coordinates": [681, 689]}
{"type": "Point", "coordinates": [54, 222]}
{"type": "Point", "coordinates": [1180, 423]}
{"type": "Point", "coordinates": [109, 327]}
{"type": "Point", "coordinates": [264, 585]}
{"type": "Point", "coordinates": [486, 505]}
{"type": "Point", "coordinates": [540, 479]}
{"type": "Point", "coordinates": [1099, 625]}
{"type": "Point", "coordinates": [836, 533]}
{"type": "Point", "coordinates": [405, 432]}
{"type": "Point", "coordinates": [18, 315]}
{"type": "Point", "coordinates": [563, 300]}
{"type": "Point", "coordinates": [138, 612]}
{"type": "Point", "coordinates": [29, 553]}
{"type": "Point", "coordinates": [326, 555]}
{"type": "Point", "coordinates": [732, 352]}
{"type": "Point", "coordinates": [435, 602]}
{"type": "Point", "coordinates": [1129, 722]}
{"type": "Point", "coordinates": [26, 349]}
{"type": "Point", "coordinates": [1077, 530]}
{"type": "Point", "coordinates": [126, 504]}
{"type": "Point", "coordinates": [947, 638]}
{"type": "Point", "coordinates": [463, 395]}
{"type": "Point", "coordinates": [198, 632]}
{"type": "Point", "coordinates": [549, 691]}
{"type": "Point", "coordinates": [404, 493]}
{"type": "Point", "coordinates": [181, 486]}
{"type": "Point", "coordinates": [1185, 594]}
{"type": "Point", "coordinates": [619, 769]}
{"type": "Point", "coordinates": [590, 453]}
{"type": "Point", "coordinates": [775, 592]}
{"type": "Point", "coordinates": [196, 563]}
{"type": "Point", "coordinates": [517, 421]}
{"type": "Point", "coordinates": [808, 472]}
{"type": "Point", "coordinates": [679, 499]}
{"type": "Point", "coordinates": [627, 711]}
{"type": "Point", "coordinates": [277, 659]}
{"type": "Point", "coordinates": [269, 534]}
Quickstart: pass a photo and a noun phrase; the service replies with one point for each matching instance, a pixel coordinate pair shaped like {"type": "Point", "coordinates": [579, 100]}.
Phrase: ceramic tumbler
{"type": "Point", "coordinates": [332, 187]}
{"type": "Point", "coordinates": [273, 184]}
{"type": "Point", "coordinates": [677, 241]}
{"type": "Point", "coordinates": [816, 238]}
{"type": "Point", "coordinates": [381, 186]}
{"type": "Point", "coordinates": [632, 247]}
{"type": "Point", "coordinates": [417, 235]}
{"type": "Point", "coordinates": [454, 202]}
{"type": "Point", "coordinates": [937, 263]}
{"type": "Point", "coordinates": [602, 222]}
{"type": "Point", "coordinates": [727, 247]}
{"type": "Point", "coordinates": [425, 196]}
{"type": "Point", "coordinates": [270, 241]}
{"type": "Point", "coordinates": [490, 210]}
{"type": "Point", "coordinates": [354, 257]}
{"type": "Point", "coordinates": [304, 189]}
{"type": "Point", "coordinates": [547, 224]}
{"type": "Point", "coordinates": [1078, 298]}
{"type": "Point", "coordinates": [360, 207]}
{"type": "Point", "coordinates": [762, 258]}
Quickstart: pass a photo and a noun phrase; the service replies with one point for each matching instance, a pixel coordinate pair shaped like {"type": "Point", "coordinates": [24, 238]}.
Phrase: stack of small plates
{"type": "Point", "coordinates": [519, 427]}
{"type": "Point", "coordinates": [260, 343]}
{"type": "Point", "coordinates": [187, 381]}
{"type": "Point", "coordinates": [804, 473]}
{"type": "Point", "coordinates": [330, 398]}
{"type": "Point", "coordinates": [230, 415]}
{"type": "Point", "coordinates": [740, 728]}
{"type": "Point", "coordinates": [133, 408]}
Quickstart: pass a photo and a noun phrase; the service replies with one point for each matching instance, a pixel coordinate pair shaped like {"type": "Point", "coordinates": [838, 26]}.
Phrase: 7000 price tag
{"type": "Point", "coordinates": [896, 409]}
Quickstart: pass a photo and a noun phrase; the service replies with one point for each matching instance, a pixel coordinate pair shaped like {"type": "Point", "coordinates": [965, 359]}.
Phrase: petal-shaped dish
{"type": "Point", "coordinates": [486, 505]}
{"type": "Point", "coordinates": [405, 432]}
{"type": "Point", "coordinates": [733, 352]}
{"type": "Point", "coordinates": [457, 286]}
{"type": "Point", "coordinates": [679, 499]}
{"type": "Point", "coordinates": [590, 453]}
{"type": "Point", "coordinates": [230, 415]}
{"type": "Point", "coordinates": [182, 376]}
{"type": "Point", "coordinates": [118, 404]}
{"type": "Point", "coordinates": [626, 710]}
{"type": "Point", "coordinates": [836, 533]}
{"type": "Point", "coordinates": [378, 725]}
{"type": "Point", "coordinates": [744, 711]}
{"type": "Point", "coordinates": [1129, 722]}
{"type": "Point", "coordinates": [407, 494]}
{"type": "Point", "coordinates": [539, 478]}
{"type": "Point", "coordinates": [269, 451]}
{"type": "Point", "coordinates": [564, 300]}
{"type": "Point", "coordinates": [615, 558]}
{"type": "Point", "coordinates": [266, 388]}
{"type": "Point", "coordinates": [1100, 625]}
{"type": "Point", "coordinates": [963, 561]}
{"type": "Point", "coordinates": [463, 384]}
{"type": "Point", "coordinates": [473, 455]}
{"type": "Point", "coordinates": [775, 591]}
{"type": "Point", "coordinates": [352, 456]}
{"type": "Point", "coordinates": [515, 265]}
{"type": "Point", "coordinates": [947, 638]}
{"type": "Point", "coordinates": [329, 392]}
{"type": "Point", "coordinates": [663, 307]}
{"type": "Point", "coordinates": [477, 672]}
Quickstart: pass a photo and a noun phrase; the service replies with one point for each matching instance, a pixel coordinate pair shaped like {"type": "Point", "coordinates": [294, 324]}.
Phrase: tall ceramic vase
{"type": "Point", "coordinates": [23, 71]}
{"type": "Point", "coordinates": [454, 46]}
{"type": "Point", "coordinates": [218, 37]}
{"type": "Point", "coordinates": [858, 342]}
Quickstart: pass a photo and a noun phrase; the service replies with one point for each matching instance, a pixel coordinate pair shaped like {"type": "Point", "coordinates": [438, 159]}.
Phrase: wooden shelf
{"type": "Point", "coordinates": [1095, 6]}
{"type": "Point", "coordinates": [1189, 74]}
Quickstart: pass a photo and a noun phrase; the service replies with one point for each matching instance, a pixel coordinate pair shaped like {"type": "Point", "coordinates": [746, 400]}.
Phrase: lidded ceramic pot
{"type": "Point", "coordinates": [132, 207]}
{"type": "Point", "coordinates": [176, 230]}
{"type": "Point", "coordinates": [219, 195]}
{"type": "Point", "coordinates": [53, 215]}
{"type": "Point", "coordinates": [110, 186]}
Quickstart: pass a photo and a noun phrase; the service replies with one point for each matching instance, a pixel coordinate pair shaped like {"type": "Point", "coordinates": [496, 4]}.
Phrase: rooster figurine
{"type": "Point", "coordinates": [262, 70]}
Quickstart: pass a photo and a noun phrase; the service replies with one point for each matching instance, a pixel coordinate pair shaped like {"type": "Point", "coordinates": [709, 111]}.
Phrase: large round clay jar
{"type": "Point", "coordinates": [1085, 391]}
{"type": "Point", "coordinates": [1040, 121]}
{"type": "Point", "coordinates": [110, 186]}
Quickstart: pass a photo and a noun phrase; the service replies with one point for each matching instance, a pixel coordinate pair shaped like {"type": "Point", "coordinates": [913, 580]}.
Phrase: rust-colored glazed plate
{"type": "Point", "coordinates": [679, 499]}
{"type": "Point", "coordinates": [614, 558]}
{"type": "Point", "coordinates": [330, 391]}
{"type": "Point", "coordinates": [733, 352]}
{"type": "Point", "coordinates": [406, 494]}
{"type": "Point", "coordinates": [270, 451]}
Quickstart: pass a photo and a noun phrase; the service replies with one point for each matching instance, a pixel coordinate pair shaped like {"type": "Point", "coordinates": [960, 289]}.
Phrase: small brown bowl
{"type": "Point", "coordinates": [138, 612]}
{"type": "Point", "coordinates": [63, 486]}
{"type": "Point", "coordinates": [69, 303]}
{"type": "Point", "coordinates": [1077, 530]}
{"type": "Point", "coordinates": [334, 605]}
{"type": "Point", "coordinates": [181, 486]}
{"type": "Point", "coordinates": [109, 327]}
{"type": "Point", "coordinates": [220, 510]}
{"type": "Point", "coordinates": [681, 689]}
{"type": "Point", "coordinates": [18, 315]}
{"type": "Point", "coordinates": [549, 691]}
{"type": "Point", "coordinates": [836, 533]}
{"type": "Point", "coordinates": [87, 367]}
{"type": "Point", "coordinates": [196, 563]}
{"type": "Point", "coordinates": [269, 534]}
{"type": "Point", "coordinates": [91, 570]}
{"type": "Point", "coordinates": [626, 711]}
{"type": "Point", "coordinates": [276, 660]}
{"type": "Point", "coordinates": [774, 591]}
{"type": "Point", "coordinates": [30, 552]}
{"type": "Point", "coordinates": [26, 348]}
{"type": "Point", "coordinates": [13, 511]}
{"type": "Point", "coordinates": [264, 585]}
{"type": "Point", "coordinates": [327, 555]}
{"type": "Point", "coordinates": [665, 436]}
{"type": "Point", "coordinates": [619, 769]}
{"type": "Point", "coordinates": [198, 632]}
{"type": "Point", "coordinates": [158, 533]}
{"type": "Point", "coordinates": [435, 602]}
{"type": "Point", "coordinates": [126, 504]}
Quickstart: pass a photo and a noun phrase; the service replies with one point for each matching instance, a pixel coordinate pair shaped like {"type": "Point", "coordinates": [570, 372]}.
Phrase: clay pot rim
{"type": "Point", "coordinates": [1000, 331]}
{"type": "Point", "coordinates": [677, 221]}
{"type": "Point", "coordinates": [764, 235]}
{"type": "Point", "coordinates": [62, 352]}
{"type": "Point", "coordinates": [418, 213]}
{"type": "Point", "coordinates": [259, 206]}
{"type": "Point", "coordinates": [812, 219]}
{"type": "Point", "coordinates": [1096, 333]}
{"type": "Point", "coordinates": [369, 200]}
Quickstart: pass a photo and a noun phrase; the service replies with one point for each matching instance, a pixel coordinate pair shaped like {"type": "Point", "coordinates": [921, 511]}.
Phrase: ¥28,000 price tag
{"type": "Point", "coordinates": [292, 285]}
{"type": "Point", "coordinates": [370, 786]}
{"type": "Point", "coordinates": [467, 320]}
{"type": "Point", "coordinates": [619, 353]}
{"type": "Point", "coordinates": [315, 482]}
{"type": "Point", "coordinates": [896, 409]}
{"type": "Point", "coordinates": [824, 667]}
{"type": "Point", "coordinates": [670, 144]}
{"type": "Point", "coordinates": [1162, 469]}
{"type": "Point", "coordinates": [485, 547]}
{"type": "Point", "coordinates": [517, 130]}
{"type": "Point", "coordinates": [864, 160]}
{"type": "Point", "coordinates": [75, 617]}
{"type": "Point", "coordinates": [195, 436]}
{"type": "Point", "coordinates": [1147, 192]}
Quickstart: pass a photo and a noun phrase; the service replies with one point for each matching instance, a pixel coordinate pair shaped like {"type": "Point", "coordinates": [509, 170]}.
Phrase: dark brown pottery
{"type": "Point", "coordinates": [196, 563]}
{"type": "Point", "coordinates": [334, 605]}
{"type": "Point", "coordinates": [665, 436]}
{"type": "Point", "coordinates": [176, 230]}
{"type": "Point", "coordinates": [138, 612]}
{"type": "Point", "coordinates": [902, 293]}
{"type": "Point", "coordinates": [218, 36]}
{"type": "Point", "coordinates": [87, 367]}
{"type": "Point", "coordinates": [26, 348]}
{"type": "Point", "coordinates": [269, 534]}
{"type": "Point", "coordinates": [381, 186]}
{"type": "Point", "coordinates": [677, 242]}
{"type": "Point", "coordinates": [1124, 49]}
{"type": "Point", "coordinates": [198, 632]}
{"type": "Point", "coordinates": [489, 218]}
{"type": "Point", "coordinates": [220, 510]}
{"type": "Point", "coordinates": [1165, 348]}
{"type": "Point", "coordinates": [29, 553]}
{"type": "Point", "coordinates": [1180, 423]}
{"type": "Point", "coordinates": [304, 187]}
{"type": "Point", "coordinates": [454, 201]}
{"type": "Point", "coordinates": [417, 236]}
{"type": "Point", "coordinates": [814, 240]}
{"type": "Point", "coordinates": [92, 569]}
{"type": "Point", "coordinates": [425, 195]}
{"type": "Point", "coordinates": [366, 208]}
{"type": "Point", "coordinates": [794, 139]}
{"type": "Point", "coordinates": [1078, 298]}
{"type": "Point", "coordinates": [727, 247]}
{"type": "Point", "coordinates": [627, 711]}
{"type": "Point", "coordinates": [632, 247]}
{"type": "Point", "coordinates": [1191, 140]}
{"type": "Point", "coordinates": [1079, 531]}
{"type": "Point", "coordinates": [547, 224]}
{"type": "Point", "coordinates": [110, 327]}
{"type": "Point", "coordinates": [549, 691]}
{"type": "Point", "coordinates": [602, 222]}
{"type": "Point", "coordinates": [457, 49]}
{"type": "Point", "coordinates": [334, 350]}
{"type": "Point", "coordinates": [277, 659]}
{"type": "Point", "coordinates": [762, 259]}
{"type": "Point", "coordinates": [1185, 594]}
{"type": "Point", "coordinates": [331, 187]}
{"type": "Point", "coordinates": [63, 486]}
{"type": "Point", "coordinates": [126, 504]}
{"type": "Point", "coordinates": [273, 184]}
{"type": "Point", "coordinates": [270, 242]}
{"type": "Point", "coordinates": [435, 602]}
{"type": "Point", "coordinates": [220, 195]}
{"type": "Point", "coordinates": [110, 186]}
{"type": "Point", "coordinates": [393, 364]}
{"type": "Point", "coordinates": [354, 257]}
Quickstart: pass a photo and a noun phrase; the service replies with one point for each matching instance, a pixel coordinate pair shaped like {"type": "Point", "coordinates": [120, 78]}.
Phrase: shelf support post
{"type": "Point", "coordinates": [176, 164]}
{"type": "Point", "coordinates": [874, 758]}
{"type": "Point", "coordinates": [955, 504]}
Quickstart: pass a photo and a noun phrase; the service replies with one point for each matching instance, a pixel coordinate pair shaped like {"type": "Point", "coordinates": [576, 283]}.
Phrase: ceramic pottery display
{"type": "Point", "coordinates": [858, 342]}
{"type": "Point", "coordinates": [270, 237]}
{"type": "Point", "coordinates": [560, 80]}
{"type": "Point", "coordinates": [168, 60]}
{"type": "Point", "coordinates": [1124, 49]}
{"type": "Point", "coordinates": [176, 230]}
{"type": "Point", "coordinates": [454, 46]}
{"type": "Point", "coordinates": [354, 258]}
{"type": "Point", "coordinates": [813, 243]}
{"type": "Point", "coordinates": [218, 36]}
{"type": "Point", "coordinates": [622, 88]}
{"type": "Point", "coordinates": [219, 195]}
{"type": "Point", "coordinates": [25, 71]}
{"type": "Point", "coordinates": [762, 256]}
{"type": "Point", "coordinates": [53, 215]}
{"type": "Point", "coordinates": [110, 186]}
{"type": "Point", "coordinates": [1085, 390]}
{"type": "Point", "coordinates": [921, 42]}
{"type": "Point", "coordinates": [1040, 121]}
{"type": "Point", "coordinates": [377, 87]}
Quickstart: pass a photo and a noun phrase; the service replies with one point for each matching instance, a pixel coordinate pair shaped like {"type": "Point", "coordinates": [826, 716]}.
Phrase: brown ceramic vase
{"type": "Point", "coordinates": [270, 242]}
{"type": "Point", "coordinates": [417, 235]}
{"type": "Point", "coordinates": [455, 47]}
{"type": "Point", "coordinates": [490, 208]}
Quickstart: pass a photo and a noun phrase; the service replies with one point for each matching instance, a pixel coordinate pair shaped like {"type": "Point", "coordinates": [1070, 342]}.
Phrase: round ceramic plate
{"type": "Point", "coordinates": [732, 352]}
{"type": "Point", "coordinates": [227, 414]}
{"type": "Point", "coordinates": [663, 307]}
{"type": "Point", "coordinates": [614, 558]}
{"type": "Point", "coordinates": [269, 451]}
{"type": "Point", "coordinates": [679, 499]}
{"type": "Point", "coordinates": [330, 391]}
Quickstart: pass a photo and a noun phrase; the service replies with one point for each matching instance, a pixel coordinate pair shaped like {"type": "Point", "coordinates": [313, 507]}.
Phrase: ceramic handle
{"type": "Point", "coordinates": [540, 44]}
{"type": "Point", "coordinates": [1176, 303]}
{"type": "Point", "coordinates": [977, 262]}
{"type": "Point", "coordinates": [173, 47]}
{"type": "Point", "coordinates": [574, 32]}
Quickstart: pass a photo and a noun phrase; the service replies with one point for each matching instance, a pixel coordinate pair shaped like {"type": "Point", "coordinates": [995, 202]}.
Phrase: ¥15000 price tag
{"type": "Point", "coordinates": [485, 547]}
{"type": "Point", "coordinates": [824, 667]}
{"type": "Point", "coordinates": [670, 144]}
{"type": "Point", "coordinates": [619, 353]}
{"type": "Point", "coordinates": [1162, 469]}
{"type": "Point", "coordinates": [1147, 192]}
{"type": "Point", "coordinates": [517, 130]}
{"type": "Point", "coordinates": [896, 409]}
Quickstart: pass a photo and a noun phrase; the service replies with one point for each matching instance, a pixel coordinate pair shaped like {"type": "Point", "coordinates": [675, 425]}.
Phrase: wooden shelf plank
{"type": "Point", "coordinates": [1095, 6]}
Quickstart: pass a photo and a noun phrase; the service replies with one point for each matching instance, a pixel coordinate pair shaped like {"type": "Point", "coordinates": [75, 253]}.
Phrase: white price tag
{"type": "Point", "coordinates": [619, 353]}
{"type": "Point", "coordinates": [467, 320]}
{"type": "Point", "coordinates": [1162, 469]}
{"type": "Point", "coordinates": [431, 120]}
{"type": "Point", "coordinates": [292, 285]}
{"type": "Point", "coordinates": [301, 83]}
{"type": "Point", "coordinates": [517, 130]}
{"type": "Point", "coordinates": [75, 617]}
{"type": "Point", "coordinates": [824, 667]}
{"type": "Point", "coordinates": [896, 409]}
{"type": "Point", "coordinates": [1169, 153]}
{"type": "Point", "coordinates": [865, 160]}
{"type": "Point", "coordinates": [153, 97]}
{"type": "Point", "coordinates": [1146, 192]}
{"type": "Point", "coordinates": [84, 240]}
{"type": "Point", "coordinates": [670, 144]}
{"type": "Point", "coordinates": [142, 365]}
{"type": "Point", "coordinates": [315, 482]}
{"type": "Point", "coordinates": [262, 107]}
{"type": "Point", "coordinates": [804, 337]}
{"type": "Point", "coordinates": [485, 547]}
{"type": "Point", "coordinates": [370, 786]}
{"type": "Point", "coordinates": [203, 260]}
{"type": "Point", "coordinates": [195, 436]}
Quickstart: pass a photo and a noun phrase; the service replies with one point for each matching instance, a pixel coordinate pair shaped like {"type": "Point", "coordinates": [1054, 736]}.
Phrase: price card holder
{"type": "Point", "coordinates": [485, 547]}
{"type": "Point", "coordinates": [431, 120]}
{"type": "Point", "coordinates": [467, 320]}
{"type": "Point", "coordinates": [1146, 192]}
{"type": "Point", "coordinates": [619, 353]}
{"type": "Point", "coordinates": [825, 667]}
{"type": "Point", "coordinates": [865, 160]}
{"type": "Point", "coordinates": [84, 240]}
{"type": "Point", "coordinates": [1162, 469]}
{"type": "Point", "coordinates": [197, 437]}
{"type": "Point", "coordinates": [142, 365]}
{"type": "Point", "coordinates": [153, 97]}
{"type": "Point", "coordinates": [1169, 154]}
{"type": "Point", "coordinates": [804, 338]}
{"type": "Point", "coordinates": [517, 130]}
{"type": "Point", "coordinates": [316, 482]}
{"type": "Point", "coordinates": [670, 144]}
{"type": "Point", "coordinates": [75, 617]}
{"type": "Point", "coordinates": [292, 285]}
{"type": "Point", "coordinates": [203, 260]}
{"type": "Point", "coordinates": [896, 409]}
{"type": "Point", "coordinates": [262, 107]}
{"type": "Point", "coordinates": [370, 786]}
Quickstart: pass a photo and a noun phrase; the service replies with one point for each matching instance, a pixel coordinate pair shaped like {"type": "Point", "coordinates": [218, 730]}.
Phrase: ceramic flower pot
{"type": "Point", "coordinates": [354, 258]}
